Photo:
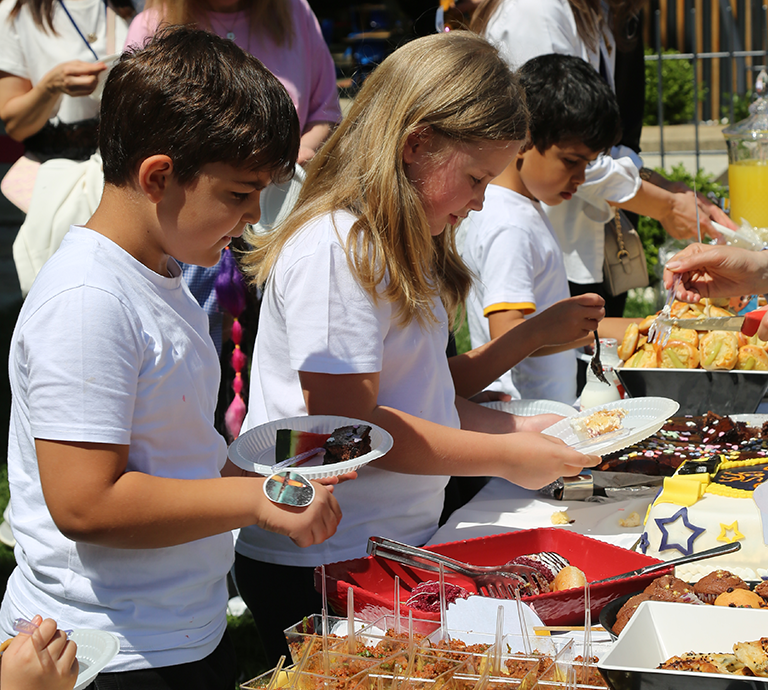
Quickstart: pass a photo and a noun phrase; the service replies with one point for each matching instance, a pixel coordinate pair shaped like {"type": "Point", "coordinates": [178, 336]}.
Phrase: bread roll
{"type": "Point", "coordinates": [718, 350]}
{"type": "Point", "coordinates": [629, 342]}
{"type": "Point", "coordinates": [568, 578]}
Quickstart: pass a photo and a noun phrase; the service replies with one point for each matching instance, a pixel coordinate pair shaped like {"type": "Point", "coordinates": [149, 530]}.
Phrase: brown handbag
{"type": "Point", "coordinates": [624, 264]}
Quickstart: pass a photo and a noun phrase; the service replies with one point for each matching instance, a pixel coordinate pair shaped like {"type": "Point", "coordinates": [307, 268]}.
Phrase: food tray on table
{"type": "Point", "coordinates": [254, 450]}
{"type": "Point", "coordinates": [661, 630]}
{"type": "Point", "coordinates": [697, 390]}
{"type": "Point", "coordinates": [372, 579]}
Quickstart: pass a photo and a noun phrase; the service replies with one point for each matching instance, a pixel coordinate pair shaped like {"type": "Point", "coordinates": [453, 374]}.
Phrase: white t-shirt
{"type": "Point", "coordinates": [511, 248]}
{"type": "Point", "coordinates": [107, 351]}
{"type": "Point", "coordinates": [30, 52]}
{"type": "Point", "coordinates": [316, 317]}
{"type": "Point", "coordinates": [524, 29]}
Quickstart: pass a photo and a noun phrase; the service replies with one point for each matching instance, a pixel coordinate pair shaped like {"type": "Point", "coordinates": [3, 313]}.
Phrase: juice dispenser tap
{"type": "Point", "coordinates": [747, 143]}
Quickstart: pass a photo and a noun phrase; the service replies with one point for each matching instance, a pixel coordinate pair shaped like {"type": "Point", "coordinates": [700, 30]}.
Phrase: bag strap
{"type": "Point", "coordinates": [622, 254]}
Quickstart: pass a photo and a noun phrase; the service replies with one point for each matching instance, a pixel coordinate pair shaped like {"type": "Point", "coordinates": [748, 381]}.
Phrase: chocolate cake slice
{"type": "Point", "coordinates": [347, 443]}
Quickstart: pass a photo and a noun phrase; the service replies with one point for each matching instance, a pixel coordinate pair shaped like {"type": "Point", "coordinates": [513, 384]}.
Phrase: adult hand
{"type": "Point", "coordinates": [44, 660]}
{"type": "Point", "coordinates": [680, 219]}
{"type": "Point", "coordinates": [717, 271]}
{"type": "Point", "coordinates": [74, 78]}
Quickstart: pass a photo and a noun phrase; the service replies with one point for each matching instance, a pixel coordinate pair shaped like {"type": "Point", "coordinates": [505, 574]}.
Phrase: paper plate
{"type": "Point", "coordinates": [529, 408]}
{"type": "Point", "coordinates": [95, 649]}
{"type": "Point", "coordinates": [645, 416]}
{"type": "Point", "coordinates": [254, 450]}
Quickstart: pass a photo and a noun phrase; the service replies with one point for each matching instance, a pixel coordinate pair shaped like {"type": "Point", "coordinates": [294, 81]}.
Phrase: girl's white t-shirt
{"type": "Point", "coordinates": [30, 52]}
{"type": "Point", "coordinates": [315, 317]}
{"type": "Point", "coordinates": [105, 350]}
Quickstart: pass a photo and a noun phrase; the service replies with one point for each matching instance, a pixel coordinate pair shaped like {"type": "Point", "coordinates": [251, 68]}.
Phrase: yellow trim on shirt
{"type": "Point", "coordinates": [525, 307]}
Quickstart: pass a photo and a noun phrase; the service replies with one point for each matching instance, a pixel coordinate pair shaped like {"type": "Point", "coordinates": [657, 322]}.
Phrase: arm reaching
{"type": "Point", "coordinates": [484, 446]}
{"type": "Point", "coordinates": [676, 211]}
{"type": "Point", "coordinates": [564, 326]}
{"type": "Point", "coordinates": [93, 499]}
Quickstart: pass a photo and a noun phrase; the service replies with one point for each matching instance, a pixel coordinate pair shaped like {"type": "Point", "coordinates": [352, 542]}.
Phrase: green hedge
{"type": "Point", "coordinates": [677, 90]}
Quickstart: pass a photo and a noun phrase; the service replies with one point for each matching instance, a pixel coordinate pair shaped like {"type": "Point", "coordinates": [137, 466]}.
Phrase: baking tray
{"type": "Point", "coordinates": [697, 390]}
{"type": "Point", "coordinates": [661, 630]}
{"type": "Point", "coordinates": [372, 579]}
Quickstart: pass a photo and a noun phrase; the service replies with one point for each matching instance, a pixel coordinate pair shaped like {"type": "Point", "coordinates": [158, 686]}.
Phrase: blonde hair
{"type": "Point", "coordinates": [455, 84]}
{"type": "Point", "coordinates": [587, 15]}
{"type": "Point", "coordinates": [269, 17]}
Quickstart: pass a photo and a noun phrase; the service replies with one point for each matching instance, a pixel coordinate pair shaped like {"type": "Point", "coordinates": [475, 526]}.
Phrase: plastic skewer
{"type": "Point", "coordinates": [276, 673]}
{"type": "Point", "coordinates": [523, 625]}
{"type": "Point", "coordinates": [443, 606]}
{"type": "Point", "coordinates": [587, 633]}
{"type": "Point", "coordinates": [351, 621]}
{"type": "Point", "coordinates": [324, 592]}
{"type": "Point", "coordinates": [497, 641]}
{"type": "Point", "coordinates": [396, 605]}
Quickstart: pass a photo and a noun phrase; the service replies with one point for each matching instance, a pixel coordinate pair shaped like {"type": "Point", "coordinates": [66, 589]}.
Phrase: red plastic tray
{"type": "Point", "coordinates": [372, 579]}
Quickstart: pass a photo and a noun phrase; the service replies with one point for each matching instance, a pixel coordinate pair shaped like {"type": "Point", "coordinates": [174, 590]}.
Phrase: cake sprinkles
{"type": "Point", "coordinates": [689, 438]}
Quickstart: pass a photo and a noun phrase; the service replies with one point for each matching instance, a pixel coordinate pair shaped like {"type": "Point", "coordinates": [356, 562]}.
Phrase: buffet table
{"type": "Point", "coordinates": [504, 507]}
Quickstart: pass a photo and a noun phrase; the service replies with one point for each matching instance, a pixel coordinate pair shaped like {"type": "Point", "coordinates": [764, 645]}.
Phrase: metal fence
{"type": "Point", "coordinates": [727, 43]}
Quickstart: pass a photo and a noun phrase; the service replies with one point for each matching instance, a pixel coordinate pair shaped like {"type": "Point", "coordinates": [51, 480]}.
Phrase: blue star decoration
{"type": "Point", "coordinates": [686, 550]}
{"type": "Point", "coordinates": [644, 543]}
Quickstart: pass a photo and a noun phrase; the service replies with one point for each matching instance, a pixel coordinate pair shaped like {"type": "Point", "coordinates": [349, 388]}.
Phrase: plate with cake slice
{"type": "Point", "coordinates": [314, 446]}
{"type": "Point", "coordinates": [607, 428]}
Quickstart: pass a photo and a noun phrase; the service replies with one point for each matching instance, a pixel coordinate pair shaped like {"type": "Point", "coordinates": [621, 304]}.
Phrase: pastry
{"type": "Point", "coordinates": [752, 358]}
{"type": "Point", "coordinates": [678, 354]}
{"type": "Point", "coordinates": [598, 423]}
{"type": "Point", "coordinates": [718, 350]}
{"type": "Point", "coordinates": [741, 599]}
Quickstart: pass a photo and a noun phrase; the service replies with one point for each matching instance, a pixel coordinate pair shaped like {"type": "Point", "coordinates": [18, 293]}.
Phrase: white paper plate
{"type": "Point", "coordinates": [645, 416]}
{"type": "Point", "coordinates": [529, 408]}
{"type": "Point", "coordinates": [254, 450]}
{"type": "Point", "coordinates": [95, 649]}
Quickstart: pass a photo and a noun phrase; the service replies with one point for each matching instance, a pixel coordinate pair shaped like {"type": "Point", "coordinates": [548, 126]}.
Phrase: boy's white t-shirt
{"type": "Point", "coordinates": [512, 249]}
{"type": "Point", "coordinates": [107, 351]}
{"type": "Point", "coordinates": [315, 317]}
{"type": "Point", "coordinates": [30, 52]}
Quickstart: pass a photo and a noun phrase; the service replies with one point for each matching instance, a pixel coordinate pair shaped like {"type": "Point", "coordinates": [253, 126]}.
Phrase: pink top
{"type": "Point", "coordinates": [305, 67]}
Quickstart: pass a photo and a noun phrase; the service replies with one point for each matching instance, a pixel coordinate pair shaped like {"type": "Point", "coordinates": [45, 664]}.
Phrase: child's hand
{"type": "Point", "coordinates": [44, 660]}
{"type": "Point", "coordinates": [305, 526]}
{"type": "Point", "coordinates": [573, 318]}
{"type": "Point", "coordinates": [553, 459]}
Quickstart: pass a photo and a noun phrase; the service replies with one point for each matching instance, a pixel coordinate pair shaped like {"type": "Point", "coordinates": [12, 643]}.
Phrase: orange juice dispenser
{"type": "Point", "coordinates": [747, 142]}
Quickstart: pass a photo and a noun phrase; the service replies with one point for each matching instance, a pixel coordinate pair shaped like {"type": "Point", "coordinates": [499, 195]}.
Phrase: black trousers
{"type": "Point", "coordinates": [278, 596]}
{"type": "Point", "coordinates": [217, 671]}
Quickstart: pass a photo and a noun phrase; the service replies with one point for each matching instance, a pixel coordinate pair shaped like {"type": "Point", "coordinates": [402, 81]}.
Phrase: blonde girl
{"type": "Point", "coordinates": [360, 287]}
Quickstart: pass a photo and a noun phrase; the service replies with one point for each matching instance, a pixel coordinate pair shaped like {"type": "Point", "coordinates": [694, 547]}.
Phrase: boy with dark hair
{"type": "Point", "coordinates": [118, 503]}
{"type": "Point", "coordinates": [511, 246]}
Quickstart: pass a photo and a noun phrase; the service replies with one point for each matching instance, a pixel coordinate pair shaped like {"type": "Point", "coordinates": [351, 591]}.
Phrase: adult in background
{"type": "Point", "coordinates": [51, 55]}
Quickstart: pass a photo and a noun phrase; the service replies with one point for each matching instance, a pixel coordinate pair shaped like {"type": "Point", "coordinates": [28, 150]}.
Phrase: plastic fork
{"type": "Point", "coordinates": [595, 364]}
{"type": "Point", "coordinates": [661, 327]}
{"type": "Point", "coordinates": [498, 582]}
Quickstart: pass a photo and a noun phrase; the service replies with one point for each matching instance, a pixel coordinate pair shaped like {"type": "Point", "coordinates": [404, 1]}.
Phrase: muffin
{"type": "Point", "coordinates": [741, 599]}
{"type": "Point", "coordinates": [626, 611]}
{"type": "Point", "coordinates": [718, 581]}
{"type": "Point", "coordinates": [762, 589]}
{"type": "Point", "coordinates": [669, 588]}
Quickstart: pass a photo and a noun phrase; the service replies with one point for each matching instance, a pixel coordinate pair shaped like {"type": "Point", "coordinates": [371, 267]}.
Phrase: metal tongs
{"type": "Point", "coordinates": [496, 581]}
